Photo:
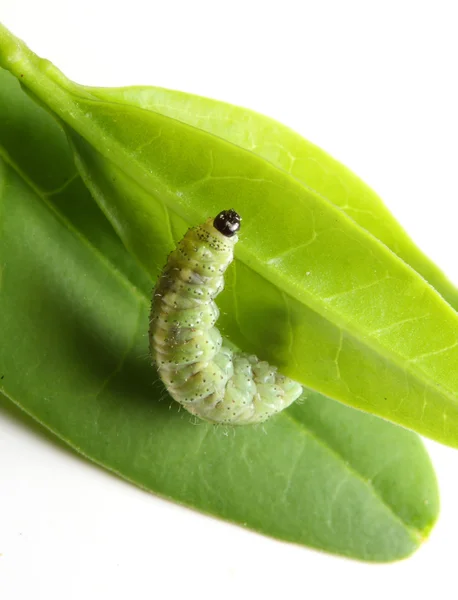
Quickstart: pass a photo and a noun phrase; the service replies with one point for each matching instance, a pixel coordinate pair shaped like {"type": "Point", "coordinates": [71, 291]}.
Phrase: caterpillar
{"type": "Point", "coordinates": [196, 366]}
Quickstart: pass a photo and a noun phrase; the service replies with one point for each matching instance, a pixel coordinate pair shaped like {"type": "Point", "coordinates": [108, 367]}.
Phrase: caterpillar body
{"type": "Point", "coordinates": [199, 371]}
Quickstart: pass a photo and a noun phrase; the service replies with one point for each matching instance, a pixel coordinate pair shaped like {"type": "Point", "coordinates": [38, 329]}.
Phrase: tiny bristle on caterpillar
{"type": "Point", "coordinates": [199, 371]}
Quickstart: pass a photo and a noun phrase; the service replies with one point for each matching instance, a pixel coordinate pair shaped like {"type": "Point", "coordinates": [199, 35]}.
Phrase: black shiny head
{"type": "Point", "coordinates": [227, 222]}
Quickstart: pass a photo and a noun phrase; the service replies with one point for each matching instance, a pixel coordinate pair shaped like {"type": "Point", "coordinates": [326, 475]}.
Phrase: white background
{"type": "Point", "coordinates": [373, 83]}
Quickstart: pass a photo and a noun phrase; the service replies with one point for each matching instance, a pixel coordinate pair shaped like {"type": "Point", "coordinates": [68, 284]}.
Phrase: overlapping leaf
{"type": "Point", "coordinates": [287, 150]}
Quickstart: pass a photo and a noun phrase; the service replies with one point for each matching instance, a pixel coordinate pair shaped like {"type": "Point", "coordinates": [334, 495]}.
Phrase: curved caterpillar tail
{"type": "Point", "coordinates": [198, 369]}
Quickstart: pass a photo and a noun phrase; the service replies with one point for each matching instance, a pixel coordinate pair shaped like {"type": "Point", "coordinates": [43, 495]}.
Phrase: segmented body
{"type": "Point", "coordinates": [198, 369]}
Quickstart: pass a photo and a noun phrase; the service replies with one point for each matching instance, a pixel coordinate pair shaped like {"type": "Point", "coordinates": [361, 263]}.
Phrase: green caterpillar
{"type": "Point", "coordinates": [199, 371]}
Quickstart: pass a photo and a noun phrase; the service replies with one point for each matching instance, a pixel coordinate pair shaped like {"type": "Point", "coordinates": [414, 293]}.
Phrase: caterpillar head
{"type": "Point", "coordinates": [227, 222]}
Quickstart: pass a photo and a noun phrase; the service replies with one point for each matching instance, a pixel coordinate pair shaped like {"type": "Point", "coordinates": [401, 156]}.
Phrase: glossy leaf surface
{"type": "Point", "coordinates": [352, 320]}
{"type": "Point", "coordinates": [287, 150]}
{"type": "Point", "coordinates": [73, 316]}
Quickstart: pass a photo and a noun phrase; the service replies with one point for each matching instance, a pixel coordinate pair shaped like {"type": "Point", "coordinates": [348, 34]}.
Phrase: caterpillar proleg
{"type": "Point", "coordinates": [199, 371]}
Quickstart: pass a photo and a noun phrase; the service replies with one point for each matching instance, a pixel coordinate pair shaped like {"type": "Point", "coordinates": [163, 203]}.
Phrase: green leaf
{"type": "Point", "coordinates": [287, 150]}
{"type": "Point", "coordinates": [74, 317]}
{"type": "Point", "coordinates": [352, 320]}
